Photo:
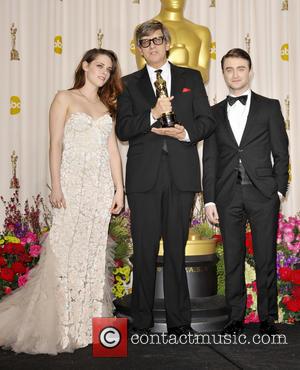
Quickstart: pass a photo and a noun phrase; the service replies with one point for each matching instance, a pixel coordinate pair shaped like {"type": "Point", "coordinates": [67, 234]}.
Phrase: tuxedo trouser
{"type": "Point", "coordinates": [262, 213]}
{"type": "Point", "coordinates": [164, 211]}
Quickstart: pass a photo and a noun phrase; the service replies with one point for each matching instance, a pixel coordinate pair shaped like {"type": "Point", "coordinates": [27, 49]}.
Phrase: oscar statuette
{"type": "Point", "coordinates": [167, 119]}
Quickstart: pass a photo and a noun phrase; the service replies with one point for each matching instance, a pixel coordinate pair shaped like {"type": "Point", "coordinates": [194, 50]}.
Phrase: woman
{"type": "Point", "coordinates": [53, 312]}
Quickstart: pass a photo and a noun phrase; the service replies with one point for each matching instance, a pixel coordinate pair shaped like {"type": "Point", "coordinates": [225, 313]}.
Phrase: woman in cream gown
{"type": "Point", "coordinates": [70, 285]}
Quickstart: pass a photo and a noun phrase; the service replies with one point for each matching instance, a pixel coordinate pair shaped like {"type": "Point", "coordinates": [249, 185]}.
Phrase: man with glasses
{"type": "Point", "coordinates": [162, 173]}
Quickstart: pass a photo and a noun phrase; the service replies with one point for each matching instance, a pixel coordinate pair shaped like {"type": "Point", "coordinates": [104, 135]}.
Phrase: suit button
{"type": "Point", "coordinates": [240, 150]}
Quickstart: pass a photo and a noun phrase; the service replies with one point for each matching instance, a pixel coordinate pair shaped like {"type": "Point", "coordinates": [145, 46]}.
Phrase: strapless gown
{"type": "Point", "coordinates": [70, 285]}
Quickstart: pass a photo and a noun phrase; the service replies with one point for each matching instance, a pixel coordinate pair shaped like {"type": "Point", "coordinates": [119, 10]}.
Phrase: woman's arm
{"type": "Point", "coordinates": [116, 172]}
{"type": "Point", "coordinates": [57, 116]}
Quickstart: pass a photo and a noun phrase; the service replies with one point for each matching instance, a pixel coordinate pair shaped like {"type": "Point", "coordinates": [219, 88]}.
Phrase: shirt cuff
{"type": "Point", "coordinates": [280, 195]}
{"type": "Point", "coordinates": [187, 137]}
{"type": "Point", "coordinates": [152, 119]}
{"type": "Point", "coordinates": [209, 204]}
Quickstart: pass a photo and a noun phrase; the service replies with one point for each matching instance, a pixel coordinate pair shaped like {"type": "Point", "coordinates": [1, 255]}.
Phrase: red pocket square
{"type": "Point", "coordinates": [186, 89]}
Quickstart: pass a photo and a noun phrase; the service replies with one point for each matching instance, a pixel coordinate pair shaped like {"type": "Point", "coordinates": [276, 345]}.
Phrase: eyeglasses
{"type": "Point", "coordinates": [145, 43]}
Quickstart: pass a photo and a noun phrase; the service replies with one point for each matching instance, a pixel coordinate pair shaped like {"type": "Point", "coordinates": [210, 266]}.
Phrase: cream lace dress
{"type": "Point", "coordinates": [53, 312]}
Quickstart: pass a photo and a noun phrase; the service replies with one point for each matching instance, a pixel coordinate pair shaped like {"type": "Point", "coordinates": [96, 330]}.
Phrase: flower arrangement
{"type": "Point", "coordinates": [288, 268]}
{"type": "Point", "coordinates": [20, 241]}
{"type": "Point", "coordinates": [288, 271]}
{"type": "Point", "coordinates": [119, 231]}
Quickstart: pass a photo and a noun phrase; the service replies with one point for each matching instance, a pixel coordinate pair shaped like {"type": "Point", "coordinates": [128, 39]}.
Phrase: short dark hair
{"type": "Point", "coordinates": [149, 27]}
{"type": "Point", "coordinates": [236, 53]}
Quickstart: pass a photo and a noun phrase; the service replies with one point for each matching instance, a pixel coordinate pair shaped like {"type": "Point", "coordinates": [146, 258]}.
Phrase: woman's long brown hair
{"type": "Point", "coordinates": [109, 92]}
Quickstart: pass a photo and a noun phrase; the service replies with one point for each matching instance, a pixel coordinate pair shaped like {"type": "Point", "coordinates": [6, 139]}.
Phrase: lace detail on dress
{"type": "Point", "coordinates": [53, 312]}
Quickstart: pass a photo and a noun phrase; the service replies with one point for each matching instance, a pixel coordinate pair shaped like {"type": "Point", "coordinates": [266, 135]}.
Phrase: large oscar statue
{"type": "Point", "coordinates": [190, 42]}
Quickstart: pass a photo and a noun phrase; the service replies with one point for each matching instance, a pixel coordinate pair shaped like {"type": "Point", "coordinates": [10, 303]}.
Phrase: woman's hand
{"type": "Point", "coordinates": [118, 202]}
{"type": "Point", "coordinates": [57, 198]}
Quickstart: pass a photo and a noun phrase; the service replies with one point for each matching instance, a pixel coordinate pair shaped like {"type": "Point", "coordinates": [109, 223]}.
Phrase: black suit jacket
{"type": "Point", "coordinates": [264, 135]}
{"type": "Point", "coordinates": [191, 108]}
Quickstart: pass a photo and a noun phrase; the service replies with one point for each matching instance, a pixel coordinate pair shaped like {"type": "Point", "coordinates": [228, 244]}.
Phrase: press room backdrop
{"type": "Point", "coordinates": [46, 39]}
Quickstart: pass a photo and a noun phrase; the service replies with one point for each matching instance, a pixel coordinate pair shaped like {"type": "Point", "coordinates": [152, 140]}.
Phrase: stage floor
{"type": "Point", "coordinates": [173, 356]}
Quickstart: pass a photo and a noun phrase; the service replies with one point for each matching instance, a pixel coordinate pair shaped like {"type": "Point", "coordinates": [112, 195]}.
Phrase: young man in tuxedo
{"type": "Point", "coordinates": [245, 176]}
{"type": "Point", "coordinates": [162, 173]}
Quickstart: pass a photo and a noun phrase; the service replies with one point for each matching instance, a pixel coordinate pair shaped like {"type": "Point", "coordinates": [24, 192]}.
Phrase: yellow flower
{"type": "Point", "coordinates": [2, 241]}
{"type": "Point", "coordinates": [12, 239]}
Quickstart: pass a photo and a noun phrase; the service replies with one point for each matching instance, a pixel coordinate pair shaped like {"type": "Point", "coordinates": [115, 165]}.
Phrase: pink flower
{"type": "Point", "coordinates": [35, 250]}
{"type": "Point", "coordinates": [30, 237]}
{"type": "Point", "coordinates": [252, 317]}
{"type": "Point", "coordinates": [289, 236]}
{"type": "Point", "coordinates": [22, 280]}
{"type": "Point", "coordinates": [254, 286]}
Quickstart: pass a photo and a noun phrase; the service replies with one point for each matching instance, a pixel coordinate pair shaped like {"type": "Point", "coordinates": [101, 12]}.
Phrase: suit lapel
{"type": "Point", "coordinates": [223, 111]}
{"type": "Point", "coordinates": [177, 80]}
{"type": "Point", "coordinates": [146, 88]}
{"type": "Point", "coordinates": [250, 119]}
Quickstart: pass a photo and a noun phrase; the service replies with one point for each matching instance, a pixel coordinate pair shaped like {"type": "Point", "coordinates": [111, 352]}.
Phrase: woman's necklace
{"type": "Point", "coordinates": [92, 102]}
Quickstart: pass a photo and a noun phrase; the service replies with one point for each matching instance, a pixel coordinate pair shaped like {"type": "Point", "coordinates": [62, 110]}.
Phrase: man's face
{"type": "Point", "coordinates": [236, 74]}
{"type": "Point", "coordinates": [155, 55]}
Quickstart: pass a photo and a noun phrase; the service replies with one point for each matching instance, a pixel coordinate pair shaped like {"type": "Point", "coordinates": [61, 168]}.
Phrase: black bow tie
{"type": "Point", "coordinates": [232, 99]}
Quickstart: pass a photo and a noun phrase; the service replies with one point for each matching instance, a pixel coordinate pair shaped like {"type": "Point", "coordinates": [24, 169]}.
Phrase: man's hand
{"type": "Point", "coordinates": [177, 132]}
{"type": "Point", "coordinates": [163, 105]}
{"type": "Point", "coordinates": [212, 214]}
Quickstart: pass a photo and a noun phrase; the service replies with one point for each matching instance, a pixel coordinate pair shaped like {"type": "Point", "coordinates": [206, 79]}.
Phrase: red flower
{"type": "Point", "coordinates": [296, 291]}
{"type": "Point", "coordinates": [8, 248]}
{"type": "Point", "coordinates": [2, 261]}
{"type": "Point", "coordinates": [248, 242]}
{"type": "Point", "coordinates": [18, 268]}
{"type": "Point", "coordinates": [25, 258]}
{"type": "Point", "coordinates": [249, 300]}
{"type": "Point", "coordinates": [14, 248]}
{"type": "Point", "coordinates": [7, 290]}
{"type": "Point", "coordinates": [119, 263]}
{"type": "Point", "coordinates": [285, 273]}
{"type": "Point", "coordinates": [296, 277]}
{"type": "Point", "coordinates": [293, 305]}
{"type": "Point", "coordinates": [218, 238]}
{"type": "Point", "coordinates": [286, 299]}
{"type": "Point", "coordinates": [19, 248]}
{"type": "Point", "coordinates": [254, 286]}
{"type": "Point", "coordinates": [7, 274]}
{"type": "Point", "coordinates": [186, 89]}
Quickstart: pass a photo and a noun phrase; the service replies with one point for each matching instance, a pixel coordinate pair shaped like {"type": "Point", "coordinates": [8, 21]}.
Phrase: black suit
{"type": "Point", "coordinates": [161, 187]}
{"type": "Point", "coordinates": [257, 202]}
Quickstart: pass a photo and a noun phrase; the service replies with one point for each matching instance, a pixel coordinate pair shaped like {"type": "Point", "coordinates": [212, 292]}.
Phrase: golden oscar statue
{"type": "Point", "coordinates": [190, 42]}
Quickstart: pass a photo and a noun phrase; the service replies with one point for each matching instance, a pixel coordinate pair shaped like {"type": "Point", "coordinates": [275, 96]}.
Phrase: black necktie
{"type": "Point", "coordinates": [232, 99]}
{"type": "Point", "coordinates": [158, 74]}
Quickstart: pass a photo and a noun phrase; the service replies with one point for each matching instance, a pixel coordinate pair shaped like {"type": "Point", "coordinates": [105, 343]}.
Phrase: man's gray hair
{"type": "Point", "coordinates": [146, 28]}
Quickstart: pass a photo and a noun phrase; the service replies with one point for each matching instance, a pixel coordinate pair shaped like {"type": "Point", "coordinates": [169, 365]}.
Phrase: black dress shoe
{"type": "Point", "coordinates": [233, 328]}
{"type": "Point", "coordinates": [180, 330]}
{"type": "Point", "coordinates": [268, 327]}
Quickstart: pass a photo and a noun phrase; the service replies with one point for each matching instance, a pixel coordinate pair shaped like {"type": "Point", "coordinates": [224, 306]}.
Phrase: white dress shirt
{"type": "Point", "coordinates": [166, 75]}
{"type": "Point", "coordinates": [237, 116]}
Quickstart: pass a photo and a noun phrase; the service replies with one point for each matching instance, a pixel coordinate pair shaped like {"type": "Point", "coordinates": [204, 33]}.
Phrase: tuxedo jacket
{"type": "Point", "coordinates": [264, 137]}
{"type": "Point", "coordinates": [191, 107]}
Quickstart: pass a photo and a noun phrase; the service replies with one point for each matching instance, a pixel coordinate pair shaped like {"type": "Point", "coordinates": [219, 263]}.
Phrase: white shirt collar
{"type": "Point", "coordinates": [247, 92]}
{"type": "Point", "coordinates": [165, 69]}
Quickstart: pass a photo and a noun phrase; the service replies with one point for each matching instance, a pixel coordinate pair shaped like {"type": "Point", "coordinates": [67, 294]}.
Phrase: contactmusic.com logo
{"type": "Point", "coordinates": [110, 337]}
